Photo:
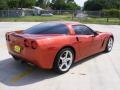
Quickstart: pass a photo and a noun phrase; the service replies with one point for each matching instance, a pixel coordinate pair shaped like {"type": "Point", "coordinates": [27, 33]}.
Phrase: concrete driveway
{"type": "Point", "coordinates": [99, 72]}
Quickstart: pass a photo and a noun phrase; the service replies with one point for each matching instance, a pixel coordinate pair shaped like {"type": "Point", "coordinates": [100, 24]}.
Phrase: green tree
{"type": "Point", "coordinates": [3, 4]}
{"type": "Point", "coordinates": [70, 1]}
{"type": "Point", "coordinates": [111, 13]}
{"type": "Point", "coordinates": [43, 3]}
{"type": "Point", "coordinates": [71, 6]}
{"type": "Point", "coordinates": [64, 5]}
{"type": "Point", "coordinates": [40, 3]}
{"type": "Point", "coordinates": [26, 3]}
{"type": "Point", "coordinates": [92, 6]}
{"type": "Point", "coordinates": [13, 3]}
{"type": "Point", "coordinates": [101, 4]}
{"type": "Point", "coordinates": [58, 4]}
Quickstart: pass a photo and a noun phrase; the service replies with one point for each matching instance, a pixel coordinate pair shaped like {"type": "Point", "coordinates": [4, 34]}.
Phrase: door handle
{"type": "Point", "coordinates": [77, 38]}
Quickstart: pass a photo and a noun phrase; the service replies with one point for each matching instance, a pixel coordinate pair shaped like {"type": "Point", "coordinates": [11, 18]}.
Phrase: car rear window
{"type": "Point", "coordinates": [47, 28]}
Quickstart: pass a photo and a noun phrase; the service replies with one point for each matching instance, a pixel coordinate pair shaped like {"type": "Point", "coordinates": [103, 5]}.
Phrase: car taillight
{"type": "Point", "coordinates": [7, 37]}
{"type": "Point", "coordinates": [34, 45]}
{"type": "Point", "coordinates": [26, 43]}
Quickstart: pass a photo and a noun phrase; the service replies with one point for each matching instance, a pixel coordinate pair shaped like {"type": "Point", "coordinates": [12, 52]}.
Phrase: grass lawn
{"type": "Point", "coordinates": [113, 21]}
{"type": "Point", "coordinates": [58, 18]}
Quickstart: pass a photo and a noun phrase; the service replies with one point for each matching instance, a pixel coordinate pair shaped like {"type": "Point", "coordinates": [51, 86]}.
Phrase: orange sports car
{"type": "Point", "coordinates": [57, 44]}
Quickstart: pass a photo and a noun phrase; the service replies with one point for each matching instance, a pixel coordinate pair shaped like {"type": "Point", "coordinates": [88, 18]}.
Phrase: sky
{"type": "Point", "coordinates": [80, 2]}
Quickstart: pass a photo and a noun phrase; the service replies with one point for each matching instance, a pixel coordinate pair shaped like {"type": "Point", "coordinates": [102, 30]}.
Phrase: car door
{"type": "Point", "coordinates": [97, 44]}
{"type": "Point", "coordinates": [84, 41]}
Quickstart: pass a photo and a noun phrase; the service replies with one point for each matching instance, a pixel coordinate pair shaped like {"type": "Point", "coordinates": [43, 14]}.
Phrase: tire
{"type": "Point", "coordinates": [63, 60]}
{"type": "Point", "coordinates": [109, 45]}
{"type": "Point", "coordinates": [16, 58]}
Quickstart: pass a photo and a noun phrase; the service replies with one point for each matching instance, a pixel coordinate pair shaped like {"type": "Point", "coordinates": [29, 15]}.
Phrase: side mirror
{"type": "Point", "coordinates": [95, 33]}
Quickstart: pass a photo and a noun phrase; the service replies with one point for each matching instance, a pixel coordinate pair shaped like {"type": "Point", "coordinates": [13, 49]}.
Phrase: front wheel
{"type": "Point", "coordinates": [63, 60]}
{"type": "Point", "coordinates": [109, 45]}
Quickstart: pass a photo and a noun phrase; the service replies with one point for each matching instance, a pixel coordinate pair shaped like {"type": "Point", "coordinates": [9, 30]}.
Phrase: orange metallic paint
{"type": "Point", "coordinates": [50, 44]}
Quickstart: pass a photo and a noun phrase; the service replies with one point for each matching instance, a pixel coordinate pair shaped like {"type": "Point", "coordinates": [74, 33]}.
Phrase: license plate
{"type": "Point", "coordinates": [17, 48]}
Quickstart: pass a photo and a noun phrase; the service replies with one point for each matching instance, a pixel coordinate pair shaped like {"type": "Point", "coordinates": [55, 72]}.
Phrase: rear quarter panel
{"type": "Point", "coordinates": [51, 46]}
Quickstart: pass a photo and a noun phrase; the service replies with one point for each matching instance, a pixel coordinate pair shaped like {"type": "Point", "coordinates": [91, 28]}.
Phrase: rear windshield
{"type": "Point", "coordinates": [47, 28]}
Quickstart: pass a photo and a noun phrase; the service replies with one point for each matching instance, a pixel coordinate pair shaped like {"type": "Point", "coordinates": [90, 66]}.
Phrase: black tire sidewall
{"type": "Point", "coordinates": [106, 49]}
{"type": "Point", "coordinates": [56, 65]}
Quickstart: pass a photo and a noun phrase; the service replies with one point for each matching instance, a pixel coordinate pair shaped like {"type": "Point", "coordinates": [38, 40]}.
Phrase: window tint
{"type": "Point", "coordinates": [47, 28]}
{"type": "Point", "coordinates": [82, 30]}
{"type": "Point", "coordinates": [77, 29]}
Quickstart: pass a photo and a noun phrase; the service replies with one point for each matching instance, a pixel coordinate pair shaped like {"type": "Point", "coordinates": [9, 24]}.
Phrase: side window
{"type": "Point", "coordinates": [82, 30]}
{"type": "Point", "coordinates": [77, 29]}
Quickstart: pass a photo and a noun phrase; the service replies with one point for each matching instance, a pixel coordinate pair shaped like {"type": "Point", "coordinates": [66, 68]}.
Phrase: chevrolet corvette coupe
{"type": "Point", "coordinates": [57, 44]}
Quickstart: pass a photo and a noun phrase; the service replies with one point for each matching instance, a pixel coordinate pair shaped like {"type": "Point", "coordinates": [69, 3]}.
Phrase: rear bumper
{"type": "Point", "coordinates": [29, 60]}
{"type": "Point", "coordinates": [41, 57]}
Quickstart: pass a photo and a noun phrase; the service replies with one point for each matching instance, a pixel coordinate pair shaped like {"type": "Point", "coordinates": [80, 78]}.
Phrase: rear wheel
{"type": "Point", "coordinates": [63, 60]}
{"type": "Point", "coordinates": [109, 45]}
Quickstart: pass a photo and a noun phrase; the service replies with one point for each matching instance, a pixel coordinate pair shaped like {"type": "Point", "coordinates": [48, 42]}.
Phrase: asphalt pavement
{"type": "Point", "coordinates": [99, 72]}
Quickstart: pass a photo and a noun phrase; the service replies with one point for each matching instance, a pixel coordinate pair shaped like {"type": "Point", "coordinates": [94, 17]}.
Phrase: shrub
{"type": "Point", "coordinates": [111, 13]}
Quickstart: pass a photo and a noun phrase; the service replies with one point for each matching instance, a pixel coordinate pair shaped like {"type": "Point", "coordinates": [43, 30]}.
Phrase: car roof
{"type": "Point", "coordinates": [63, 22]}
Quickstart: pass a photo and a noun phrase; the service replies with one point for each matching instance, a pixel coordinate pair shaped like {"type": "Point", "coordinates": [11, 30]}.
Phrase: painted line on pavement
{"type": "Point", "coordinates": [22, 75]}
